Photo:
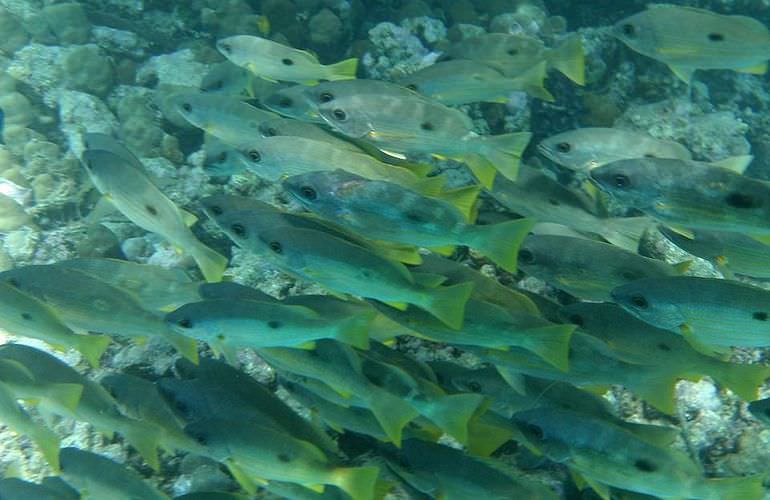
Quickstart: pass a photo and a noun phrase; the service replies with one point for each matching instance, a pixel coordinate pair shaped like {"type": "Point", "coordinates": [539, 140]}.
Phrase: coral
{"type": "Point", "coordinates": [68, 22]}
{"type": "Point", "coordinates": [178, 68]}
{"type": "Point", "coordinates": [14, 34]}
{"type": "Point", "coordinates": [397, 50]}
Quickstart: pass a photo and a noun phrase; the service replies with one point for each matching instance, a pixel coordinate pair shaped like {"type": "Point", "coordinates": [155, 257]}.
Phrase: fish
{"type": "Point", "coordinates": [730, 252]}
{"type": "Point", "coordinates": [136, 197]}
{"type": "Point", "coordinates": [592, 365]}
{"type": "Point", "coordinates": [100, 477]}
{"type": "Point", "coordinates": [274, 61]}
{"type": "Point", "coordinates": [339, 367]}
{"type": "Point", "coordinates": [607, 455]}
{"type": "Point", "coordinates": [87, 304]}
{"type": "Point", "coordinates": [460, 81]}
{"type": "Point", "coordinates": [228, 79]}
{"type": "Point", "coordinates": [708, 312]}
{"type": "Point", "coordinates": [2, 126]}
{"type": "Point", "coordinates": [490, 325]}
{"type": "Point", "coordinates": [18, 420]}
{"type": "Point", "coordinates": [638, 342]}
{"type": "Point", "coordinates": [140, 399]}
{"type": "Point", "coordinates": [275, 157]}
{"type": "Point", "coordinates": [537, 196]}
{"type": "Point", "coordinates": [387, 211]}
{"type": "Point", "coordinates": [687, 39]}
{"type": "Point", "coordinates": [94, 404]}
{"type": "Point", "coordinates": [586, 268]}
{"type": "Point", "coordinates": [214, 389]}
{"type": "Point", "coordinates": [689, 194]}
{"type": "Point", "coordinates": [247, 323]}
{"type": "Point", "coordinates": [583, 149]}
{"type": "Point", "coordinates": [513, 54]}
{"type": "Point", "coordinates": [301, 102]}
{"type": "Point", "coordinates": [227, 118]}
{"type": "Point", "coordinates": [439, 471]}
{"type": "Point", "coordinates": [25, 316]}
{"type": "Point", "coordinates": [415, 124]}
{"type": "Point", "coordinates": [262, 454]}
{"type": "Point", "coordinates": [344, 267]}
{"type": "Point", "coordinates": [218, 206]}
{"type": "Point", "coordinates": [155, 287]}
{"type": "Point", "coordinates": [13, 488]}
{"type": "Point", "coordinates": [760, 409]}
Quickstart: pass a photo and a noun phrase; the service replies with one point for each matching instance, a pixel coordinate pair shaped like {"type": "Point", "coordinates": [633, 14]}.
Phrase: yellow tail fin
{"type": "Point", "coordinates": [211, 263]}
{"type": "Point", "coordinates": [358, 482]}
{"type": "Point", "coordinates": [532, 82]}
{"type": "Point", "coordinates": [343, 70]}
{"type": "Point", "coordinates": [452, 413]}
{"type": "Point", "coordinates": [448, 303]}
{"type": "Point", "coordinates": [464, 199]}
{"type": "Point", "coordinates": [392, 413]}
{"type": "Point", "coordinates": [92, 347]}
{"type": "Point", "coordinates": [552, 344]}
{"type": "Point", "coordinates": [569, 59]}
{"type": "Point", "coordinates": [500, 242]}
{"type": "Point", "coordinates": [504, 151]}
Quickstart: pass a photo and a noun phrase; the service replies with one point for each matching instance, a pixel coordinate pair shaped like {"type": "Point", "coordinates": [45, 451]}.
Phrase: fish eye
{"type": "Point", "coordinates": [628, 29]}
{"type": "Point", "coordinates": [185, 323]}
{"type": "Point", "coordinates": [564, 147]}
{"type": "Point", "coordinates": [639, 301]}
{"type": "Point", "coordinates": [474, 386]}
{"type": "Point", "coordinates": [226, 47]}
{"type": "Point", "coordinates": [275, 247]}
{"type": "Point", "coordinates": [339, 114]}
{"type": "Point", "coordinates": [187, 106]}
{"type": "Point", "coordinates": [269, 132]}
{"type": "Point", "coordinates": [326, 97]}
{"type": "Point", "coordinates": [535, 430]}
{"type": "Point", "coordinates": [255, 156]}
{"type": "Point", "coordinates": [645, 465]}
{"type": "Point", "coordinates": [622, 181]}
{"type": "Point", "coordinates": [216, 210]}
{"type": "Point", "coordinates": [308, 193]}
{"type": "Point", "coordinates": [526, 256]}
{"type": "Point", "coordinates": [287, 62]}
{"type": "Point", "coordinates": [285, 102]}
{"type": "Point", "coordinates": [412, 87]}
{"type": "Point", "coordinates": [716, 37]}
{"type": "Point", "coordinates": [222, 156]}
{"type": "Point", "coordinates": [238, 230]}
{"type": "Point", "coordinates": [576, 319]}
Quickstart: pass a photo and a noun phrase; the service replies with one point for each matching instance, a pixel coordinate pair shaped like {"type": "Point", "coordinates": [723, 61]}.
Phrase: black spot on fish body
{"type": "Point", "coordinates": [276, 247]}
{"type": "Point", "coordinates": [222, 156]}
{"type": "Point", "coordinates": [220, 337]}
{"type": "Point", "coordinates": [650, 155]}
{"type": "Point", "coordinates": [414, 217]}
{"type": "Point", "coordinates": [630, 275]}
{"type": "Point", "coordinates": [645, 465]}
{"type": "Point", "coordinates": [426, 126]}
{"type": "Point", "coordinates": [26, 316]}
{"type": "Point", "coordinates": [639, 301]}
{"type": "Point", "coordinates": [760, 316]}
{"type": "Point", "coordinates": [412, 87]}
{"type": "Point", "coordinates": [284, 457]}
{"type": "Point", "coordinates": [663, 347]}
{"type": "Point", "coordinates": [14, 283]}
{"type": "Point", "coordinates": [238, 230]}
{"type": "Point", "coordinates": [285, 102]}
{"type": "Point", "coordinates": [274, 324]}
{"type": "Point", "coordinates": [151, 210]}
{"type": "Point", "coordinates": [628, 29]}
{"type": "Point", "coordinates": [716, 37]}
{"type": "Point", "coordinates": [269, 131]}
{"type": "Point", "coordinates": [287, 62]}
{"type": "Point", "coordinates": [185, 323]}
{"type": "Point", "coordinates": [187, 106]}
{"type": "Point", "coordinates": [526, 256]}
{"type": "Point", "coordinates": [512, 52]}
{"type": "Point", "coordinates": [255, 156]}
{"type": "Point", "coordinates": [576, 319]}
{"type": "Point", "coordinates": [554, 202]}
{"type": "Point", "coordinates": [742, 200]}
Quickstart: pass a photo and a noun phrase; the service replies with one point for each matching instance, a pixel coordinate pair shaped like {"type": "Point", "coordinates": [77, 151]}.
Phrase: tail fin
{"type": "Point", "coordinates": [343, 70]}
{"type": "Point", "coordinates": [186, 346]}
{"type": "Point", "coordinates": [67, 395]}
{"type": "Point", "coordinates": [488, 432]}
{"type": "Point", "coordinates": [749, 488]}
{"type": "Point", "coordinates": [49, 444]}
{"type": "Point", "coordinates": [504, 151]}
{"type": "Point", "coordinates": [464, 199]}
{"type": "Point", "coordinates": [392, 413]}
{"type": "Point", "coordinates": [531, 82]}
{"type": "Point", "coordinates": [448, 303]}
{"type": "Point", "coordinates": [500, 242]}
{"type": "Point", "coordinates": [624, 232]}
{"type": "Point", "coordinates": [452, 413]}
{"type": "Point", "coordinates": [92, 347]}
{"type": "Point", "coordinates": [212, 264]}
{"type": "Point", "coordinates": [354, 330]}
{"type": "Point", "coordinates": [656, 388]}
{"type": "Point", "coordinates": [743, 380]}
{"type": "Point", "coordinates": [569, 59]}
{"type": "Point", "coordinates": [484, 171]}
{"type": "Point", "coordinates": [429, 186]}
{"type": "Point", "coordinates": [552, 344]}
{"type": "Point", "coordinates": [145, 439]}
{"type": "Point", "coordinates": [358, 482]}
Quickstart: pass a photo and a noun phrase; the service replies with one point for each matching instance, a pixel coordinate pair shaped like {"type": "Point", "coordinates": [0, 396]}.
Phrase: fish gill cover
{"type": "Point", "coordinates": [384, 249]}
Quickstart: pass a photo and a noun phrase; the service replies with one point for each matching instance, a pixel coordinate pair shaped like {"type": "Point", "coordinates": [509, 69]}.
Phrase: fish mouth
{"type": "Point", "coordinates": [545, 151]}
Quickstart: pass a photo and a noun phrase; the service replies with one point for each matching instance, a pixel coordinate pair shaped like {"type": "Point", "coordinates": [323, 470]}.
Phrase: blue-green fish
{"type": "Point", "coordinates": [708, 312]}
{"type": "Point", "coordinates": [387, 211]}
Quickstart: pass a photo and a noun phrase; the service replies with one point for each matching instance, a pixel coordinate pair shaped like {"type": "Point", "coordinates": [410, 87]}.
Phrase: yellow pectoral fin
{"type": "Point", "coordinates": [401, 306]}
{"type": "Point", "coordinates": [683, 73]}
